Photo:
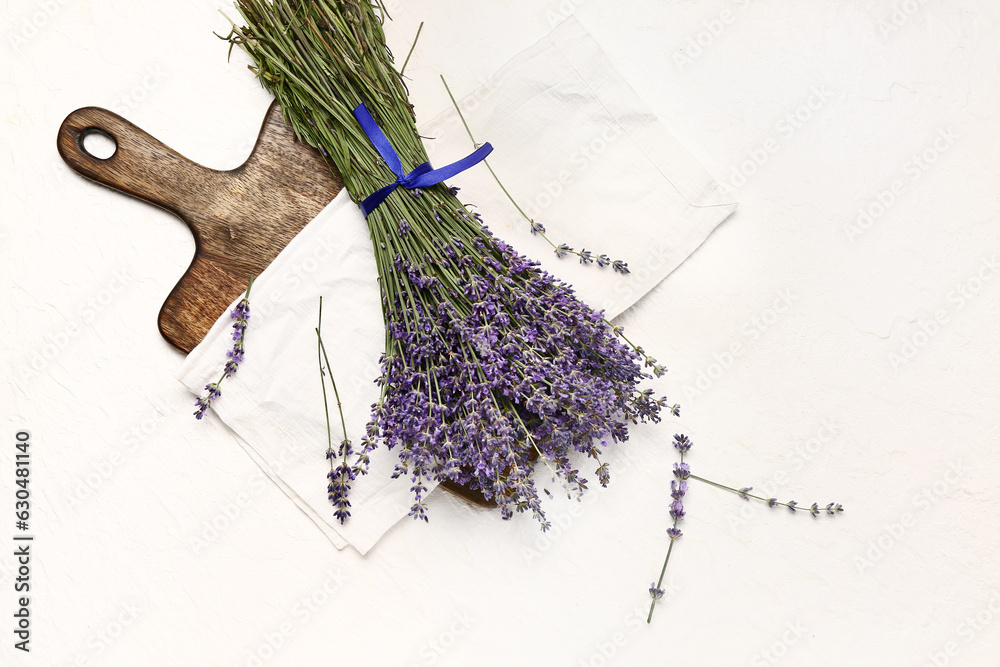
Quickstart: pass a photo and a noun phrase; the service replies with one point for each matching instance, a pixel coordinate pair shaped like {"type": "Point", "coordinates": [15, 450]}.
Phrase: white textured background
{"type": "Point", "coordinates": [867, 368]}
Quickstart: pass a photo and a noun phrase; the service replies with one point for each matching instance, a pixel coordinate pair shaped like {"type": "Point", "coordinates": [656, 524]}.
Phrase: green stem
{"type": "Point", "coordinates": [322, 381]}
{"type": "Point", "coordinates": [243, 338]}
{"type": "Point", "coordinates": [333, 382]}
{"type": "Point", "coordinates": [412, 46]}
{"type": "Point", "coordinates": [663, 570]}
{"type": "Point", "coordinates": [747, 494]}
{"type": "Point", "coordinates": [659, 583]}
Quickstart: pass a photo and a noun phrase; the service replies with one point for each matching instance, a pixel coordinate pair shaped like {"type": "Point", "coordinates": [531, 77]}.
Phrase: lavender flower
{"type": "Point", "coordinates": [678, 489]}
{"type": "Point", "coordinates": [586, 256]}
{"type": "Point", "coordinates": [603, 475]}
{"type": "Point", "coordinates": [745, 494]}
{"type": "Point", "coordinates": [240, 313]}
{"type": "Point", "coordinates": [340, 476]}
{"type": "Point", "coordinates": [654, 592]}
{"type": "Point", "coordinates": [495, 369]}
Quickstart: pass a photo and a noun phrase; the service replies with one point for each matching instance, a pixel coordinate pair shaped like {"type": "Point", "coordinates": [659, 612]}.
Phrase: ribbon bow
{"type": "Point", "coordinates": [421, 177]}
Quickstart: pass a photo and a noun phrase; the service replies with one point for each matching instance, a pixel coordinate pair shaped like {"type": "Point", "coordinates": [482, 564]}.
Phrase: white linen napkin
{"type": "Point", "coordinates": [580, 153]}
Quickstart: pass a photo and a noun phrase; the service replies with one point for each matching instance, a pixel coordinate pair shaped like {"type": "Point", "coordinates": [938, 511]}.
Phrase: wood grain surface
{"type": "Point", "coordinates": [241, 218]}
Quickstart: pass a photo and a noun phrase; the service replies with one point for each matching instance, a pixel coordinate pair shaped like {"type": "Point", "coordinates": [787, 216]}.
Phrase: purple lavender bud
{"type": "Point", "coordinates": [586, 257]}
{"type": "Point", "coordinates": [674, 532]}
{"type": "Point", "coordinates": [791, 505]}
{"type": "Point", "coordinates": [563, 250]}
{"type": "Point", "coordinates": [654, 592]}
{"type": "Point", "coordinates": [453, 190]}
{"type": "Point", "coordinates": [537, 227]}
{"type": "Point", "coordinates": [603, 260]}
{"type": "Point", "coordinates": [814, 510]}
{"type": "Point", "coordinates": [682, 470]}
{"type": "Point", "coordinates": [772, 502]}
{"type": "Point", "coordinates": [677, 490]}
{"type": "Point", "coordinates": [240, 313]}
{"type": "Point", "coordinates": [419, 511]}
{"type": "Point", "coordinates": [682, 443]}
{"type": "Point", "coordinates": [744, 491]}
{"type": "Point", "coordinates": [603, 475]}
{"type": "Point", "coordinates": [676, 510]}
{"type": "Point", "coordinates": [620, 267]}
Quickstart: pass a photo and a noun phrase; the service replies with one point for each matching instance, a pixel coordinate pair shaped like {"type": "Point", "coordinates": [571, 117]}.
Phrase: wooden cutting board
{"type": "Point", "coordinates": [241, 218]}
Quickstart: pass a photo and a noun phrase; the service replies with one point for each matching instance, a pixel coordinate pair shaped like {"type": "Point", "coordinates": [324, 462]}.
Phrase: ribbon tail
{"type": "Point", "coordinates": [436, 176]}
{"type": "Point", "coordinates": [378, 139]}
{"type": "Point", "coordinates": [372, 201]}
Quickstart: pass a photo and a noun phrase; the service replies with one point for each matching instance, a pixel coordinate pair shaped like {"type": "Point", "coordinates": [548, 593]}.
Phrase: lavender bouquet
{"type": "Point", "coordinates": [492, 367]}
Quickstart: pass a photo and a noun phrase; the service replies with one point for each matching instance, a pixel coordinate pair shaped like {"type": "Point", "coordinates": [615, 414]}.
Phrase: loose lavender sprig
{"type": "Point", "coordinates": [744, 493]}
{"type": "Point", "coordinates": [678, 488]}
{"type": "Point", "coordinates": [241, 313]}
{"type": "Point", "coordinates": [340, 477]}
{"type": "Point", "coordinates": [561, 250]}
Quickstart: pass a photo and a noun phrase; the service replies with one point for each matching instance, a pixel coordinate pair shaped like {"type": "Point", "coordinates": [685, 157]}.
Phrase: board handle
{"type": "Point", "coordinates": [140, 166]}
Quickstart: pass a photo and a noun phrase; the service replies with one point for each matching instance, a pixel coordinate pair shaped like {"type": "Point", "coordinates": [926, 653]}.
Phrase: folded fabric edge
{"type": "Point", "coordinates": [587, 58]}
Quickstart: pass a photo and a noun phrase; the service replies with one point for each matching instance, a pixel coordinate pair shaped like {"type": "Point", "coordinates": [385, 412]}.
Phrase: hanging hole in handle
{"type": "Point", "coordinates": [98, 143]}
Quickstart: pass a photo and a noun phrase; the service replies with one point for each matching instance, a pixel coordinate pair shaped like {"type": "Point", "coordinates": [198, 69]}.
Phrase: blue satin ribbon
{"type": "Point", "coordinates": [421, 177]}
